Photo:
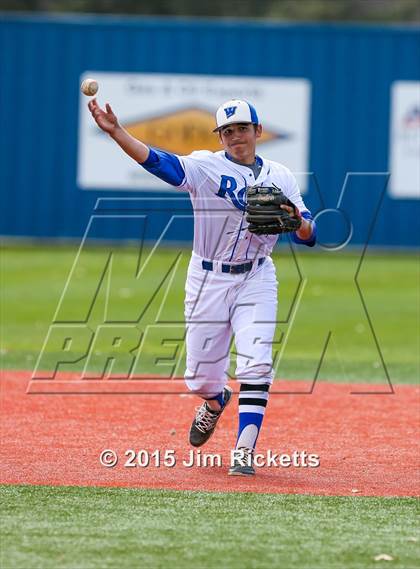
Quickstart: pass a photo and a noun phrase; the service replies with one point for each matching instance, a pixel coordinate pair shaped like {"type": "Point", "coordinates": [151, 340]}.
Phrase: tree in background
{"type": "Point", "coordinates": [295, 10]}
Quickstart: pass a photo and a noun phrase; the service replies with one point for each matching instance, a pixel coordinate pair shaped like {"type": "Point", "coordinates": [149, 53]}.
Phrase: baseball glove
{"type": "Point", "coordinates": [265, 214]}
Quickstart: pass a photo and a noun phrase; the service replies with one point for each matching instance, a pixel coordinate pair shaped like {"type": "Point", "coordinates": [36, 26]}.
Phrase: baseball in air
{"type": "Point", "coordinates": [89, 87]}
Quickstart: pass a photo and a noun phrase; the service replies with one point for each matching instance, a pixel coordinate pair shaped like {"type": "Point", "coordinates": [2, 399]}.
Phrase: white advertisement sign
{"type": "Point", "coordinates": [404, 160]}
{"type": "Point", "coordinates": [176, 113]}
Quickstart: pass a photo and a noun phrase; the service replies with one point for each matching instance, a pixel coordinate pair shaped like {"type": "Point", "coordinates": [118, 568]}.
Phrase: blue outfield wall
{"type": "Point", "coordinates": [351, 69]}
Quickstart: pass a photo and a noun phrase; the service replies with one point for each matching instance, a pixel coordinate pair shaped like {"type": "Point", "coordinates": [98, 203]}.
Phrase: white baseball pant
{"type": "Point", "coordinates": [219, 305]}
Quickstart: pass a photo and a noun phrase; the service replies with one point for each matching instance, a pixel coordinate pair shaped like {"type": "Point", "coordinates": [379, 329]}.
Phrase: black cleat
{"type": "Point", "coordinates": [242, 462]}
{"type": "Point", "coordinates": [206, 419]}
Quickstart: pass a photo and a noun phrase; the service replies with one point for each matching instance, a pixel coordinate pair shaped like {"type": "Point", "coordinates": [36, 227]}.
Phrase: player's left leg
{"type": "Point", "coordinates": [253, 401]}
{"type": "Point", "coordinates": [253, 321]}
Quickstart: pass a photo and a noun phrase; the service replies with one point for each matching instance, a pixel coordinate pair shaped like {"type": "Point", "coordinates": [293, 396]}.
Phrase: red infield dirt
{"type": "Point", "coordinates": [367, 444]}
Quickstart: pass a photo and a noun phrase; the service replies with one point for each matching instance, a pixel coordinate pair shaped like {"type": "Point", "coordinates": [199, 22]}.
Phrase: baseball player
{"type": "Point", "coordinates": [231, 286]}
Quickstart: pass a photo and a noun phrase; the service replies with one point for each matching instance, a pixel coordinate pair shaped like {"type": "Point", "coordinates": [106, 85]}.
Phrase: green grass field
{"type": "Point", "coordinates": [82, 528]}
{"type": "Point", "coordinates": [99, 527]}
{"type": "Point", "coordinates": [34, 280]}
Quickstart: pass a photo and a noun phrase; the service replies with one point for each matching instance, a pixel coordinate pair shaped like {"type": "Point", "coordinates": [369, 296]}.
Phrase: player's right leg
{"type": "Point", "coordinates": [206, 376]}
{"type": "Point", "coordinates": [206, 418]}
{"type": "Point", "coordinates": [208, 342]}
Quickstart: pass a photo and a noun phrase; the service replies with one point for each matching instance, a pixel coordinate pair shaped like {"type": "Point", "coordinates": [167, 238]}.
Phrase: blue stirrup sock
{"type": "Point", "coordinates": [252, 403]}
{"type": "Point", "coordinates": [219, 398]}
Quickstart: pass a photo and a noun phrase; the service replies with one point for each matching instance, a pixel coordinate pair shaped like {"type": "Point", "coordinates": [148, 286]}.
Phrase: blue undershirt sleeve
{"type": "Point", "coordinates": [165, 166]}
{"type": "Point", "coordinates": [312, 239]}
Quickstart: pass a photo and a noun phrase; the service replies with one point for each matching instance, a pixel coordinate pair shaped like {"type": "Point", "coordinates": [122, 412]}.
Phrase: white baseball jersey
{"type": "Point", "coordinates": [217, 188]}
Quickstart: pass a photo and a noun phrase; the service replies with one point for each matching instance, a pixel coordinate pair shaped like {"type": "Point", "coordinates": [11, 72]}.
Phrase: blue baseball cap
{"type": "Point", "coordinates": [235, 111]}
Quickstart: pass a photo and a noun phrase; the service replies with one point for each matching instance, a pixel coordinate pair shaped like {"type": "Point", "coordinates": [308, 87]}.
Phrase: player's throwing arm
{"type": "Point", "coordinates": [108, 122]}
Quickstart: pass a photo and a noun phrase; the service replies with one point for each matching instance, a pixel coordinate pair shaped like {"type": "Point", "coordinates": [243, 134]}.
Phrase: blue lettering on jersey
{"type": "Point", "coordinates": [228, 186]}
{"type": "Point", "coordinates": [230, 111]}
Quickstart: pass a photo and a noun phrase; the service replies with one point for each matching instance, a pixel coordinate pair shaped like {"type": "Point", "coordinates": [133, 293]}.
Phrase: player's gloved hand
{"type": "Point", "coordinates": [270, 212]}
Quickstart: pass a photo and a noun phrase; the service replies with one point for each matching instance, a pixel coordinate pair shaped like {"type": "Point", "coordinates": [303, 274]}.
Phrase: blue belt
{"type": "Point", "coordinates": [233, 269]}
